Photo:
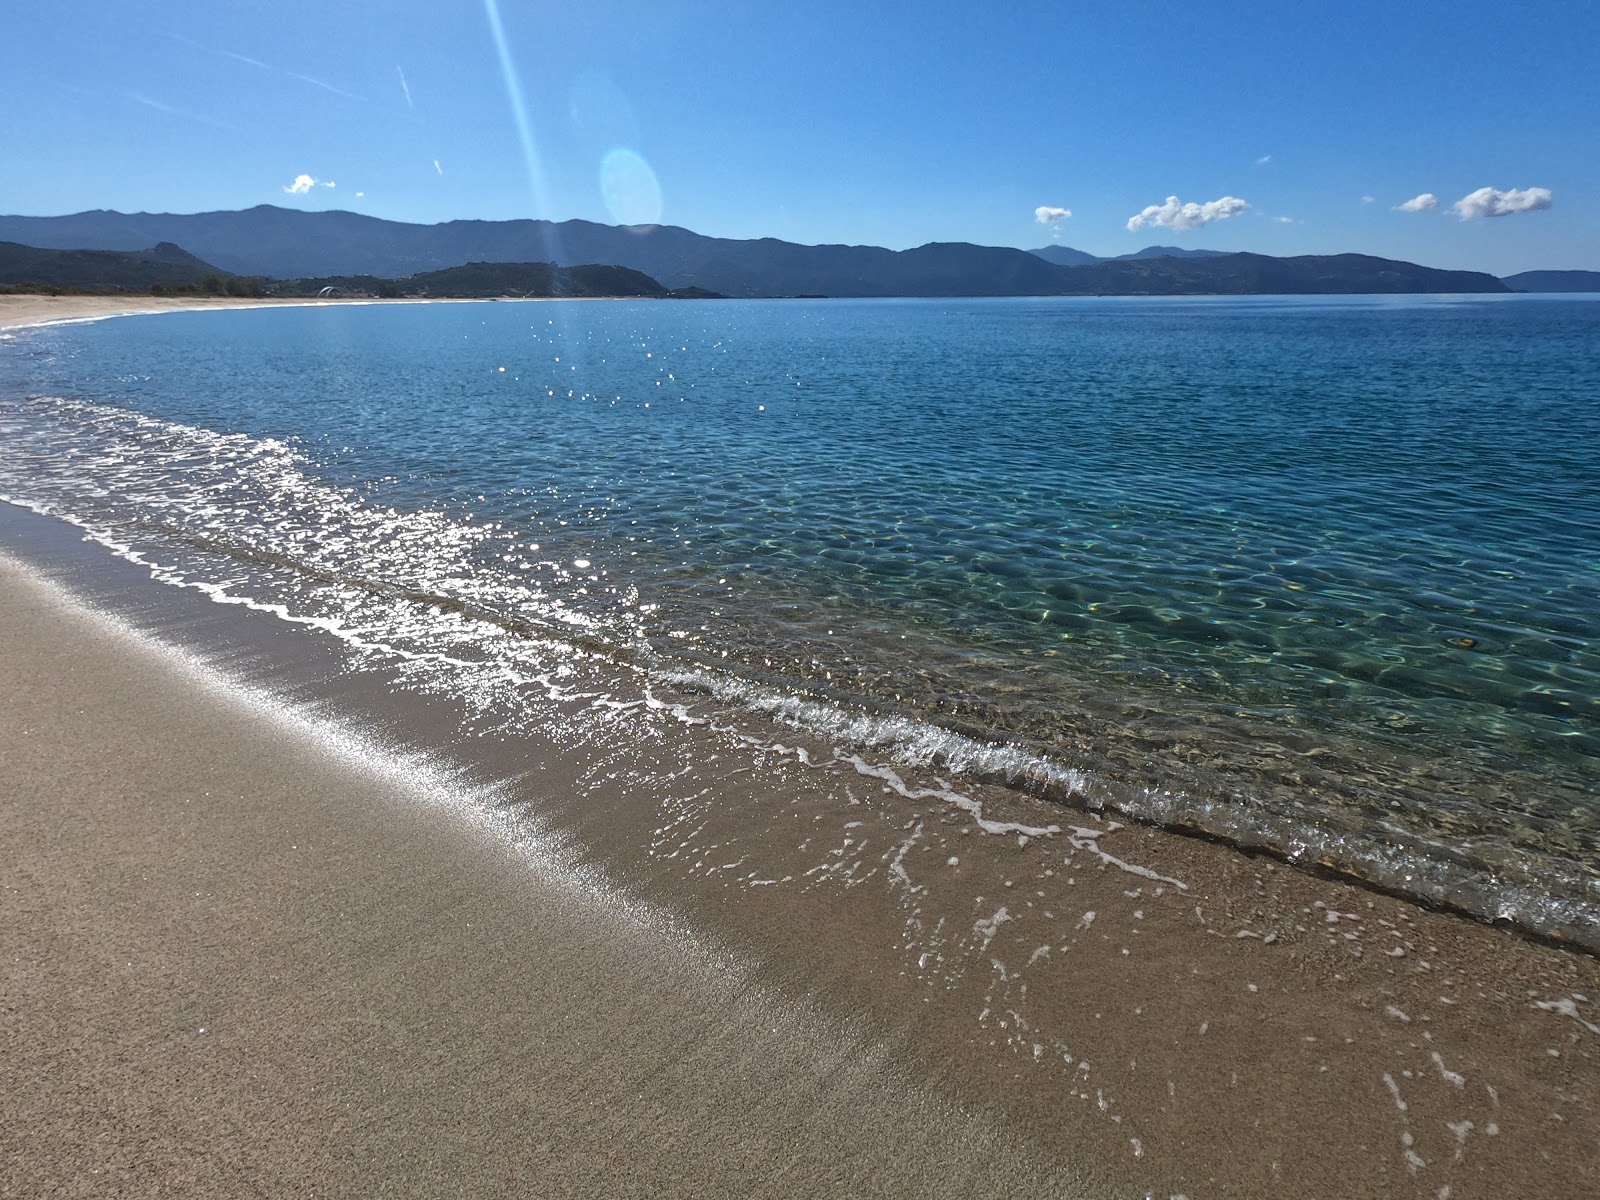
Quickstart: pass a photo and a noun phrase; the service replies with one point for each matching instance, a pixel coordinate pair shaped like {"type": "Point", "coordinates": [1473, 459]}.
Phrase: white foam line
{"type": "Point", "coordinates": [897, 865]}
{"type": "Point", "coordinates": [966, 803]}
{"type": "Point", "coordinates": [1447, 1074]}
{"type": "Point", "coordinates": [679, 712]}
{"type": "Point", "coordinates": [275, 468]}
{"type": "Point", "coordinates": [1087, 839]}
{"type": "Point", "coordinates": [218, 594]}
{"type": "Point", "coordinates": [989, 926]}
{"type": "Point", "coordinates": [913, 742]}
{"type": "Point", "coordinates": [1394, 1090]}
{"type": "Point", "coordinates": [1567, 1007]}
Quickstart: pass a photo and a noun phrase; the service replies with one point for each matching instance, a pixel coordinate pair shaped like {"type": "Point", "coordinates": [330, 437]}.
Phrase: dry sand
{"type": "Point", "coordinates": [18, 310]}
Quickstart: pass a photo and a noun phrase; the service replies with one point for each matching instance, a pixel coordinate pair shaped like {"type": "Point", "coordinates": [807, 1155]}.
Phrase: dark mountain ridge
{"type": "Point", "coordinates": [289, 243]}
{"type": "Point", "coordinates": [163, 265]}
{"type": "Point", "coordinates": [1066, 256]}
{"type": "Point", "coordinates": [1260, 274]}
{"type": "Point", "coordinates": [481, 280]}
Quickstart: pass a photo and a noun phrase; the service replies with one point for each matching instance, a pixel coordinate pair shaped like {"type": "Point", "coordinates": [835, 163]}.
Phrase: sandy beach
{"type": "Point", "coordinates": [23, 310]}
{"type": "Point", "coordinates": [284, 946]}
{"type": "Point", "coordinates": [243, 960]}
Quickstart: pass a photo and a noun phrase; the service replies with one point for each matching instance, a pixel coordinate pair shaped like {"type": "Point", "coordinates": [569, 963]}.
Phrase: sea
{"type": "Point", "coordinates": [1315, 576]}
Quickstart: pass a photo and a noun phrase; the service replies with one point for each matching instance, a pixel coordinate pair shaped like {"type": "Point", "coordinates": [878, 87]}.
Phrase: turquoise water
{"type": "Point", "coordinates": [1316, 573]}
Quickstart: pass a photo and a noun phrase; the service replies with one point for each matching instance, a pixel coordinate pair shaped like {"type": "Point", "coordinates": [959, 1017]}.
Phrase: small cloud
{"type": "Point", "coordinates": [1047, 214]}
{"type": "Point", "coordinates": [1263, 160]}
{"type": "Point", "coordinates": [437, 167]}
{"type": "Point", "coordinates": [406, 88]}
{"type": "Point", "coordinates": [359, 195]}
{"type": "Point", "coordinates": [304, 183]}
{"type": "Point", "coordinates": [1176, 215]}
{"type": "Point", "coordinates": [1420, 203]}
{"type": "Point", "coordinates": [1284, 220]}
{"type": "Point", "coordinates": [1492, 202]}
{"type": "Point", "coordinates": [1368, 199]}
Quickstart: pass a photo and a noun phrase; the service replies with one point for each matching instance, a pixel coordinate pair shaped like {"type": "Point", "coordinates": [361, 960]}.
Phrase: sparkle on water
{"type": "Point", "coordinates": [1317, 573]}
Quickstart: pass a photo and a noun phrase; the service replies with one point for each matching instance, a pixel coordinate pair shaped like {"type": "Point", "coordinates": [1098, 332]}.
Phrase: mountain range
{"type": "Point", "coordinates": [1066, 256]}
{"type": "Point", "coordinates": [292, 244]}
{"type": "Point", "coordinates": [168, 268]}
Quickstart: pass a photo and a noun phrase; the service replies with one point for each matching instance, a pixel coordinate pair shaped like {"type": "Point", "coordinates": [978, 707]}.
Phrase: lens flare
{"type": "Point", "coordinates": [630, 188]}
{"type": "Point", "coordinates": [519, 113]}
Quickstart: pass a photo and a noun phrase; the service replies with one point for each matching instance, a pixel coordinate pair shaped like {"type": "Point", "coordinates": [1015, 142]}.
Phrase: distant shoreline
{"type": "Point", "coordinates": [31, 311]}
{"type": "Point", "coordinates": [26, 311]}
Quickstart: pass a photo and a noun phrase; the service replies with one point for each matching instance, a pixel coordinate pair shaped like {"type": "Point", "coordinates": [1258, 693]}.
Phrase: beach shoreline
{"type": "Point", "coordinates": [24, 311]}
{"type": "Point", "coordinates": [247, 954]}
{"type": "Point", "coordinates": [1233, 1032]}
{"type": "Point", "coordinates": [1127, 1008]}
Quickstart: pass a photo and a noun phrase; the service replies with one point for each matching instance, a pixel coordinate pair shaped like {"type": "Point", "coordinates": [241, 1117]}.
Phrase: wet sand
{"type": "Point", "coordinates": [243, 959]}
{"type": "Point", "coordinates": [252, 949]}
{"type": "Point", "coordinates": [666, 955]}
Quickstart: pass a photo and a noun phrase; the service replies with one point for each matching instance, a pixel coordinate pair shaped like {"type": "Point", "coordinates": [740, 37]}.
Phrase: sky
{"type": "Point", "coordinates": [1462, 135]}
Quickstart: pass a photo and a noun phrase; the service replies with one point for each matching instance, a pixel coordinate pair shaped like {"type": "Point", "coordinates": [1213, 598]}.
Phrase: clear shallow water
{"type": "Point", "coordinates": [1321, 574]}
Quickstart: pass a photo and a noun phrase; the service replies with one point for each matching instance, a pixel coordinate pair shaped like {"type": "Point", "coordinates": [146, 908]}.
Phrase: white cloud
{"type": "Point", "coordinates": [1420, 203]}
{"type": "Point", "coordinates": [304, 183]}
{"type": "Point", "coordinates": [1177, 215]}
{"type": "Point", "coordinates": [359, 195]}
{"type": "Point", "coordinates": [1368, 199]}
{"type": "Point", "coordinates": [1048, 214]}
{"type": "Point", "coordinates": [1284, 220]}
{"type": "Point", "coordinates": [437, 167]}
{"type": "Point", "coordinates": [406, 88]}
{"type": "Point", "coordinates": [1492, 202]}
{"type": "Point", "coordinates": [1263, 160]}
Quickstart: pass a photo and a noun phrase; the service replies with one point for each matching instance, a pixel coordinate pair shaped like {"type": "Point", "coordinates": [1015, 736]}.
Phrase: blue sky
{"type": "Point", "coordinates": [878, 123]}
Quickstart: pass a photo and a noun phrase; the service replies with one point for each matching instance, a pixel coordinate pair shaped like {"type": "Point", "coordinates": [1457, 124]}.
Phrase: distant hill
{"type": "Point", "coordinates": [535, 279]}
{"type": "Point", "coordinates": [291, 244]}
{"type": "Point", "coordinates": [1172, 252]}
{"type": "Point", "coordinates": [1066, 256]}
{"type": "Point", "coordinates": [540, 280]}
{"type": "Point", "coordinates": [1261, 274]}
{"type": "Point", "coordinates": [1554, 281]}
{"type": "Point", "coordinates": [164, 264]}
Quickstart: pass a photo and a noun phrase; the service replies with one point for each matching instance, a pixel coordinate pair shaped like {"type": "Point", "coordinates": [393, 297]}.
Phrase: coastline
{"type": "Point", "coordinates": [20, 311]}
{"type": "Point", "coordinates": [1232, 1024]}
{"type": "Point", "coordinates": [25, 311]}
{"type": "Point", "coordinates": [245, 954]}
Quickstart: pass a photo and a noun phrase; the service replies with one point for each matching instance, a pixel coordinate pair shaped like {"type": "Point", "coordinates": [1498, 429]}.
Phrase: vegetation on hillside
{"type": "Point", "coordinates": [167, 270]}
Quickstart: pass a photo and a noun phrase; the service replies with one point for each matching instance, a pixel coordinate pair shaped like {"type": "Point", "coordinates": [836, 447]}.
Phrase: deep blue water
{"type": "Point", "coordinates": [1323, 572]}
